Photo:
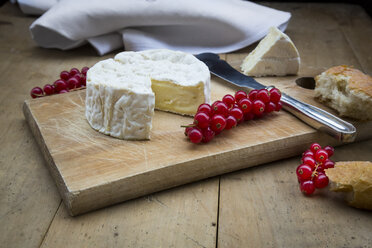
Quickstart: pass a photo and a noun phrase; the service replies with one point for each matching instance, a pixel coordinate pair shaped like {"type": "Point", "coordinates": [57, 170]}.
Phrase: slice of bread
{"type": "Point", "coordinates": [347, 90]}
{"type": "Point", "coordinates": [354, 177]}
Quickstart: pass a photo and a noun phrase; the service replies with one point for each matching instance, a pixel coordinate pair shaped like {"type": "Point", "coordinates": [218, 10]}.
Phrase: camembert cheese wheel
{"type": "Point", "coordinates": [122, 92]}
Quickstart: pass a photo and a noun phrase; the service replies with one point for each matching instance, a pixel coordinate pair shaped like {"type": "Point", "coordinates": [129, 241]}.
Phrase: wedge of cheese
{"type": "Point", "coordinates": [122, 92]}
{"type": "Point", "coordinates": [275, 55]}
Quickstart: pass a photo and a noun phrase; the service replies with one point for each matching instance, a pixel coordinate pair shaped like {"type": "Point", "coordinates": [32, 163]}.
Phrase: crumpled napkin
{"type": "Point", "coordinates": [192, 26]}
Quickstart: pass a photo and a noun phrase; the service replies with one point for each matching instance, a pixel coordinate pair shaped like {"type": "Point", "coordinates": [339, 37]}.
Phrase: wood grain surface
{"type": "Point", "coordinates": [255, 207]}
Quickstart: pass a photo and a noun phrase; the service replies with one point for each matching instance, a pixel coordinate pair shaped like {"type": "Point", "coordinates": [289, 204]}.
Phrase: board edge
{"type": "Point", "coordinates": [65, 193]}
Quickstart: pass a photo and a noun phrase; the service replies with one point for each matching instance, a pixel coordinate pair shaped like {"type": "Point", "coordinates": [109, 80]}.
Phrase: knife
{"type": "Point", "coordinates": [313, 116]}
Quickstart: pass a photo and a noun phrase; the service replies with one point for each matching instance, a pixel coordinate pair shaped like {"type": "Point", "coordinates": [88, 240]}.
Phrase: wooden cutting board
{"type": "Point", "coordinates": [93, 170]}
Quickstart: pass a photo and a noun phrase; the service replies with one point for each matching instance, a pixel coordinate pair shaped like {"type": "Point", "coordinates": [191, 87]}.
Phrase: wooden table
{"type": "Point", "coordinates": [256, 207]}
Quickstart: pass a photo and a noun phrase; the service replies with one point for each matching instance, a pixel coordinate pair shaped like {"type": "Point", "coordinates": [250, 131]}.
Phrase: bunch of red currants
{"type": "Point", "coordinates": [68, 81]}
{"type": "Point", "coordinates": [310, 173]}
{"type": "Point", "coordinates": [211, 120]}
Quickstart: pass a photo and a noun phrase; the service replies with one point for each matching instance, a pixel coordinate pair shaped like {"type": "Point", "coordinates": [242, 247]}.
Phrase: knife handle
{"type": "Point", "coordinates": [320, 119]}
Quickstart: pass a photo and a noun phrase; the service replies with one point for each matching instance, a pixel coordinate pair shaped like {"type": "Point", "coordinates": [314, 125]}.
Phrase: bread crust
{"type": "Point", "coordinates": [358, 81]}
{"type": "Point", "coordinates": [354, 177]}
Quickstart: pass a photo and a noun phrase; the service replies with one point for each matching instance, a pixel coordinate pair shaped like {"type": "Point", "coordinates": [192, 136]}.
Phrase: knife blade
{"type": "Point", "coordinates": [313, 116]}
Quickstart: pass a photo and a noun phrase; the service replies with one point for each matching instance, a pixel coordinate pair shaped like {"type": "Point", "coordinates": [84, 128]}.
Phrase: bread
{"type": "Point", "coordinates": [347, 90]}
{"type": "Point", "coordinates": [354, 177]}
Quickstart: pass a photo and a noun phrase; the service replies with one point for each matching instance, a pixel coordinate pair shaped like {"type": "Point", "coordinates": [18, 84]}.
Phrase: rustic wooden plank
{"type": "Point", "coordinates": [93, 170]}
{"type": "Point", "coordinates": [267, 198]}
{"type": "Point", "coordinates": [180, 217]}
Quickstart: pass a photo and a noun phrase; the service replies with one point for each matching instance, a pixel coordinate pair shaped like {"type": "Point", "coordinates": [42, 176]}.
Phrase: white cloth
{"type": "Point", "coordinates": [35, 7]}
{"type": "Point", "coordinates": [193, 26]}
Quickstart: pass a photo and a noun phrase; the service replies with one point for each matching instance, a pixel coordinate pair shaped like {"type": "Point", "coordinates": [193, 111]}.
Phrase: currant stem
{"type": "Point", "coordinates": [191, 125]}
{"type": "Point", "coordinates": [315, 172]}
{"type": "Point", "coordinates": [80, 88]}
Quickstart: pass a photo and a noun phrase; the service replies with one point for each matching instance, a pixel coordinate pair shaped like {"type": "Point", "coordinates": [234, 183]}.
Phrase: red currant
{"type": "Point", "coordinates": [321, 155]}
{"type": "Point", "coordinates": [304, 172]}
{"type": "Point", "coordinates": [72, 82]}
{"type": "Point", "coordinates": [218, 123]}
{"type": "Point", "coordinates": [201, 119]}
{"type": "Point", "coordinates": [208, 134]}
{"type": "Point", "coordinates": [270, 107]}
{"type": "Point", "coordinates": [320, 167]}
{"type": "Point", "coordinates": [188, 129]}
{"type": "Point", "coordinates": [60, 85]}
{"type": "Point", "coordinates": [308, 153]}
{"type": "Point", "coordinates": [328, 164]}
{"type": "Point", "coordinates": [231, 122]}
{"type": "Point", "coordinates": [195, 135]}
{"type": "Point", "coordinates": [48, 89]}
{"type": "Point", "coordinates": [278, 106]}
{"type": "Point", "coordinates": [320, 180]}
{"type": "Point", "coordinates": [240, 95]}
{"type": "Point", "coordinates": [79, 78]}
{"type": "Point", "coordinates": [220, 108]}
{"type": "Point", "coordinates": [258, 107]}
{"type": "Point", "coordinates": [214, 103]}
{"type": "Point", "coordinates": [64, 75]}
{"type": "Point", "coordinates": [263, 95]}
{"type": "Point", "coordinates": [237, 113]}
{"type": "Point", "coordinates": [74, 71]}
{"type": "Point", "coordinates": [307, 187]}
{"type": "Point", "coordinates": [275, 95]}
{"type": "Point", "coordinates": [206, 108]}
{"type": "Point", "coordinates": [83, 80]}
{"type": "Point", "coordinates": [309, 161]}
{"type": "Point", "coordinates": [252, 95]}
{"type": "Point", "coordinates": [84, 70]}
{"type": "Point", "coordinates": [245, 105]}
{"type": "Point", "coordinates": [330, 150]}
{"type": "Point", "coordinates": [36, 92]}
{"type": "Point", "coordinates": [229, 100]}
{"type": "Point", "coordinates": [314, 147]}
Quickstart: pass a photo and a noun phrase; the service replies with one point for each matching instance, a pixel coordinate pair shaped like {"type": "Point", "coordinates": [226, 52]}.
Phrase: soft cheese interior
{"type": "Point", "coordinates": [123, 92]}
{"type": "Point", "coordinates": [275, 55]}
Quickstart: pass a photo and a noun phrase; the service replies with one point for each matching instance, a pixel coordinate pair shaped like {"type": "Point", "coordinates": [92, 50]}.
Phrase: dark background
{"type": "Point", "coordinates": [366, 4]}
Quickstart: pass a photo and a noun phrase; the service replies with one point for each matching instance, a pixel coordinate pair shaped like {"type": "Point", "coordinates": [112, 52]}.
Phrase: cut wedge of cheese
{"type": "Point", "coordinates": [122, 92]}
{"type": "Point", "coordinates": [275, 55]}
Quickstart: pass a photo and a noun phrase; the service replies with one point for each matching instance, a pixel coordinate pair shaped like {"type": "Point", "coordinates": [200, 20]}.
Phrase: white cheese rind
{"type": "Point", "coordinates": [275, 55]}
{"type": "Point", "coordinates": [119, 98]}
